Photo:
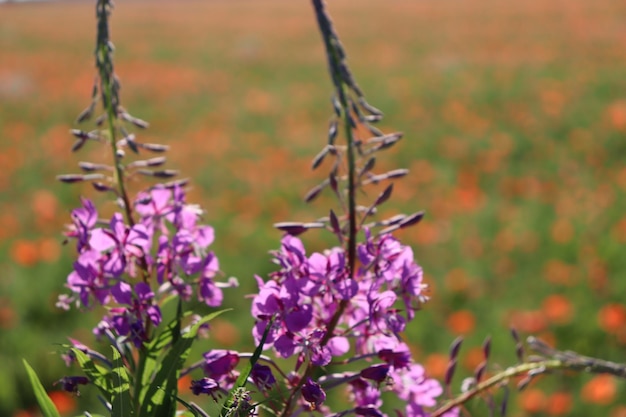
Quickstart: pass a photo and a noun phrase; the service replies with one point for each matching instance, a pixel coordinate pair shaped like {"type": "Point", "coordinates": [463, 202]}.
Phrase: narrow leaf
{"type": "Point", "coordinates": [98, 375]}
{"type": "Point", "coordinates": [45, 403]}
{"type": "Point", "coordinates": [121, 402]}
{"type": "Point", "coordinates": [157, 400]}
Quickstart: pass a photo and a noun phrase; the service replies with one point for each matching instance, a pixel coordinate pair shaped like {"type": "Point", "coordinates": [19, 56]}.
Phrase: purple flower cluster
{"type": "Point", "coordinates": [303, 296]}
{"type": "Point", "coordinates": [116, 267]}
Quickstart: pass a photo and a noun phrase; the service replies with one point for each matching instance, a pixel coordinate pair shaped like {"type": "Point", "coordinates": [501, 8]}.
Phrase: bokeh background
{"type": "Point", "coordinates": [514, 116]}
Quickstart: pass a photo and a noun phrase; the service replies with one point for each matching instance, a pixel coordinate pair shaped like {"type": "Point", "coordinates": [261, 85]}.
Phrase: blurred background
{"type": "Point", "coordinates": [514, 116]}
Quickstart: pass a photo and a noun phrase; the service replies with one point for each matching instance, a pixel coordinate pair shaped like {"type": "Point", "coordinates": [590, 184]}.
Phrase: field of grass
{"type": "Point", "coordinates": [514, 116]}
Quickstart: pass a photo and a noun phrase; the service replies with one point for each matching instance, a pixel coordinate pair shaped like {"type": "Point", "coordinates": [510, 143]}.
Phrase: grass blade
{"type": "Point", "coordinates": [45, 403]}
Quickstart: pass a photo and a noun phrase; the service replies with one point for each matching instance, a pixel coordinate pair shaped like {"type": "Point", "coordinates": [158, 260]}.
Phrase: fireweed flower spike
{"type": "Point", "coordinates": [154, 249]}
{"type": "Point", "coordinates": [357, 297]}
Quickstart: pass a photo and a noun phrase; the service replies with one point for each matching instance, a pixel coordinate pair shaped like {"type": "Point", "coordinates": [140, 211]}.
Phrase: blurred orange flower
{"type": "Point", "coordinates": [532, 400]}
{"type": "Point", "coordinates": [461, 322]}
{"type": "Point", "coordinates": [559, 403]}
{"type": "Point", "coordinates": [558, 309]}
{"type": "Point", "coordinates": [600, 389]}
{"type": "Point", "coordinates": [612, 317]}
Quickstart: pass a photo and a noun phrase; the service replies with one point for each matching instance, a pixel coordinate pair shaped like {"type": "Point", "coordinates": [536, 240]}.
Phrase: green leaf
{"type": "Point", "coordinates": [121, 403]}
{"type": "Point", "coordinates": [45, 403]}
{"type": "Point", "coordinates": [98, 375]}
{"type": "Point", "coordinates": [158, 398]}
{"type": "Point", "coordinates": [149, 355]}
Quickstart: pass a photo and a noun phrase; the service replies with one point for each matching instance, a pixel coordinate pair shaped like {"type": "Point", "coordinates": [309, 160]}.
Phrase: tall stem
{"type": "Point", "coordinates": [110, 100]}
{"type": "Point", "coordinates": [334, 54]}
{"type": "Point", "coordinates": [331, 43]}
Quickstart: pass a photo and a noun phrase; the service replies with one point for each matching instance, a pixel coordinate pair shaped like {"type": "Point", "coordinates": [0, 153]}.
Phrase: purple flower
{"type": "Point", "coordinates": [262, 376]}
{"type": "Point", "coordinates": [399, 358]}
{"type": "Point", "coordinates": [71, 383]}
{"type": "Point", "coordinates": [313, 393]}
{"type": "Point", "coordinates": [88, 278]}
{"type": "Point", "coordinates": [364, 394]}
{"type": "Point", "coordinates": [206, 386]}
{"type": "Point", "coordinates": [412, 385]}
{"type": "Point", "coordinates": [219, 364]}
{"type": "Point", "coordinates": [377, 373]}
{"type": "Point", "coordinates": [120, 244]}
{"type": "Point", "coordinates": [83, 220]}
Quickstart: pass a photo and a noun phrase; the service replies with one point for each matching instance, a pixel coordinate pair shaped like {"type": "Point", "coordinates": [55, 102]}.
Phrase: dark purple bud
{"type": "Point", "coordinates": [295, 228]}
{"type": "Point", "coordinates": [102, 187]}
{"type": "Point", "coordinates": [166, 173]}
{"type": "Point", "coordinates": [81, 134]}
{"type": "Point", "coordinates": [87, 113]}
{"type": "Point", "coordinates": [154, 147]}
{"type": "Point", "coordinates": [313, 393]}
{"type": "Point", "coordinates": [152, 162]}
{"type": "Point", "coordinates": [262, 376]}
{"type": "Point", "coordinates": [90, 167]}
{"type": "Point", "coordinates": [142, 124]}
{"type": "Point", "coordinates": [396, 173]}
{"type": "Point", "coordinates": [94, 89]}
{"type": "Point", "coordinates": [487, 347]}
{"type": "Point", "coordinates": [291, 228]}
{"type": "Point", "coordinates": [369, 165]}
{"type": "Point", "coordinates": [332, 180]}
{"type": "Point", "coordinates": [315, 191]}
{"type": "Point", "coordinates": [374, 130]}
{"type": "Point", "coordinates": [480, 371]}
{"type": "Point", "coordinates": [412, 219]}
{"type": "Point", "coordinates": [206, 386]}
{"type": "Point", "coordinates": [505, 400]}
{"type": "Point", "coordinates": [332, 131]}
{"type": "Point", "coordinates": [371, 109]}
{"type": "Point", "coordinates": [450, 372]}
{"type": "Point", "coordinates": [369, 411]}
{"type": "Point", "coordinates": [334, 224]}
{"type": "Point", "coordinates": [351, 121]}
{"type": "Point", "coordinates": [389, 140]}
{"type": "Point", "coordinates": [519, 352]}
{"type": "Point", "coordinates": [515, 335]}
{"type": "Point", "coordinates": [376, 372]}
{"type": "Point", "coordinates": [398, 360]}
{"type": "Point", "coordinates": [384, 196]}
{"type": "Point", "coordinates": [129, 140]}
{"type": "Point", "coordinates": [393, 220]}
{"type": "Point", "coordinates": [100, 119]}
{"type": "Point", "coordinates": [78, 144]}
{"type": "Point", "coordinates": [72, 178]}
{"type": "Point", "coordinates": [456, 347]}
{"type": "Point", "coordinates": [319, 158]}
{"type": "Point", "coordinates": [71, 383]}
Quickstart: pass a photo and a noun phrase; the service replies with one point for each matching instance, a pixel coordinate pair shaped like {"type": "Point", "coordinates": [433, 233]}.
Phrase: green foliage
{"type": "Point", "coordinates": [45, 403]}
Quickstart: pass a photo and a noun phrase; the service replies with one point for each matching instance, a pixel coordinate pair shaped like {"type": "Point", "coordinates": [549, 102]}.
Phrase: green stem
{"type": "Point", "coordinates": [334, 61]}
{"type": "Point", "coordinates": [104, 64]}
